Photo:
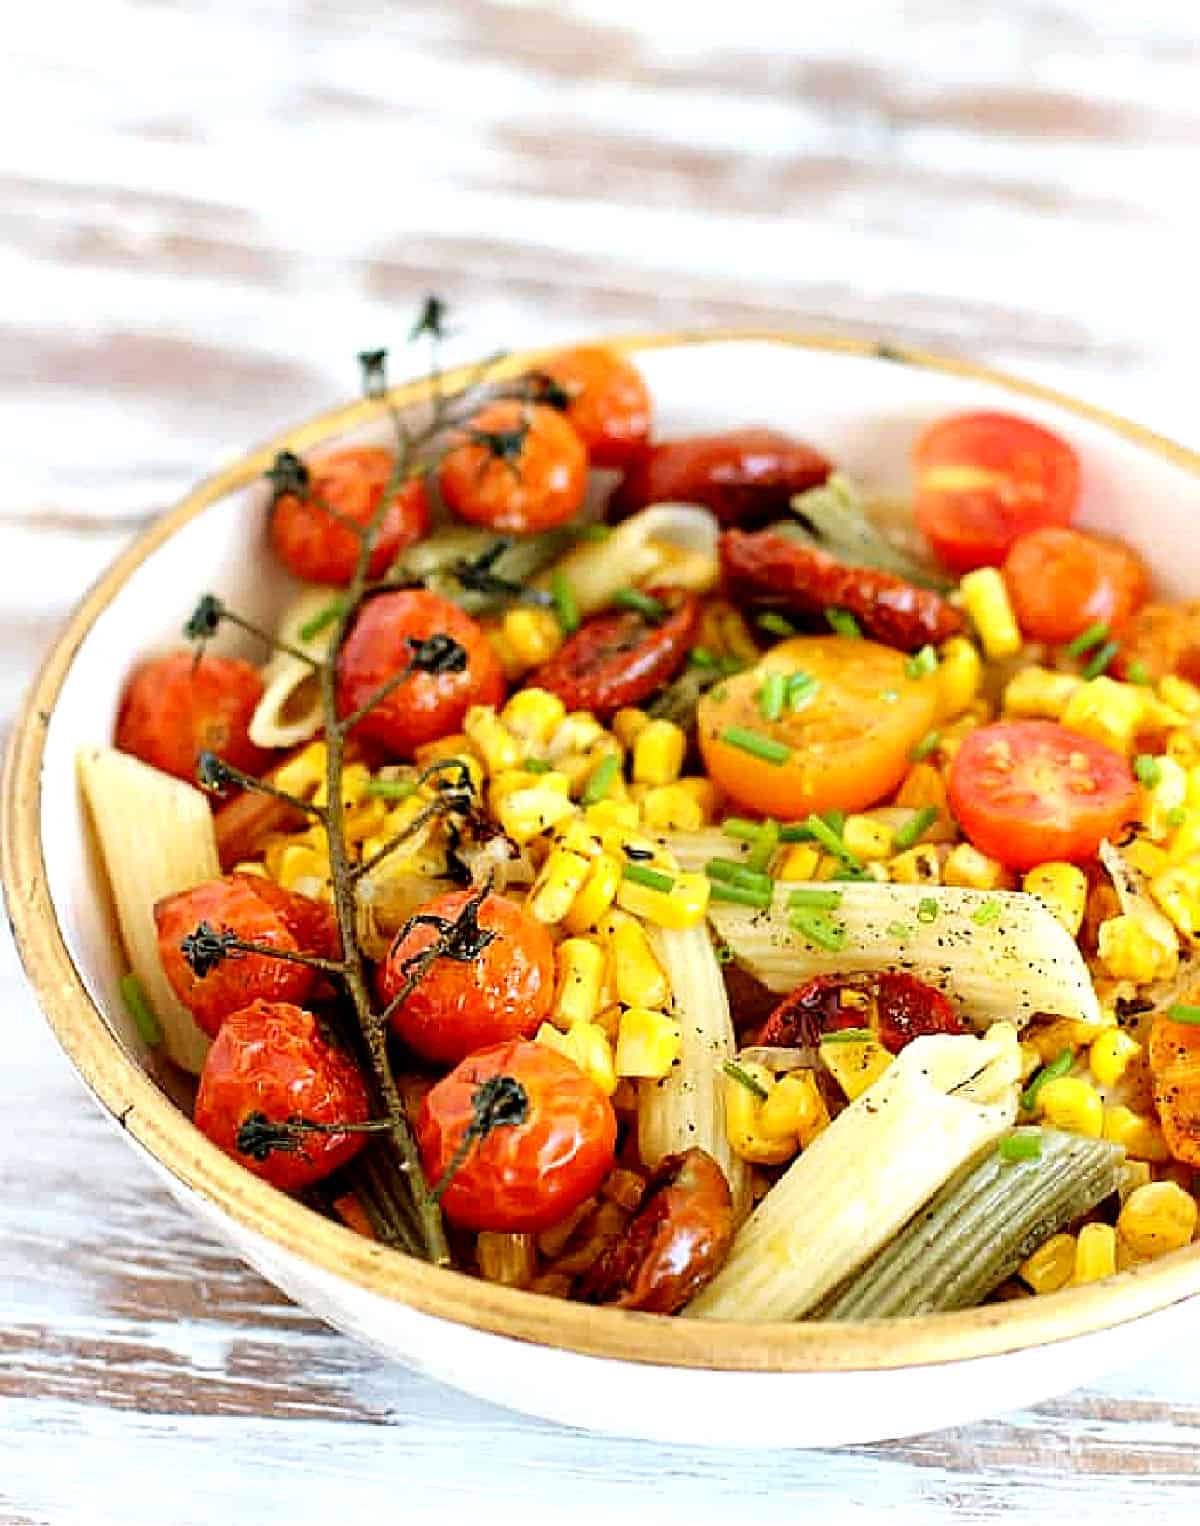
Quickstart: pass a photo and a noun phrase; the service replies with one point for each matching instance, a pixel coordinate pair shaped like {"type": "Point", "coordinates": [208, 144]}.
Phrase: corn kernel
{"type": "Point", "coordinates": [1095, 1254]}
{"type": "Point", "coordinates": [534, 715]}
{"type": "Point", "coordinates": [304, 870]}
{"type": "Point", "coordinates": [648, 1043]}
{"type": "Point", "coordinates": [559, 882]}
{"type": "Point", "coordinates": [1040, 693]}
{"type": "Point", "coordinates": [959, 674]}
{"type": "Point", "coordinates": [1062, 889]}
{"type": "Point", "coordinates": [627, 724]}
{"type": "Point", "coordinates": [1110, 1054]}
{"type": "Point", "coordinates": [1177, 891]}
{"type": "Point", "coordinates": [605, 814]}
{"type": "Point", "coordinates": [458, 749]}
{"type": "Point", "coordinates": [985, 599]}
{"type": "Point", "coordinates": [588, 1046]}
{"type": "Point", "coordinates": [1133, 948]}
{"type": "Point", "coordinates": [1179, 694]}
{"type": "Point", "coordinates": [532, 635]}
{"type": "Point", "coordinates": [921, 865]}
{"type": "Point", "coordinates": [1105, 710]}
{"type": "Point", "coordinates": [355, 779]}
{"type": "Point", "coordinates": [1134, 1174]}
{"type": "Point", "coordinates": [1071, 1103]}
{"type": "Point", "coordinates": [743, 1118]}
{"type": "Point", "coordinates": [580, 965]}
{"type": "Point", "coordinates": [497, 746]}
{"type": "Point", "coordinates": [867, 838]}
{"type": "Point", "coordinates": [658, 752]}
{"type": "Point", "coordinates": [1051, 1266]}
{"type": "Point", "coordinates": [794, 1109]}
{"type": "Point", "coordinates": [704, 792]}
{"type": "Point", "coordinates": [1165, 796]}
{"type": "Point", "coordinates": [1183, 745]}
{"type": "Point", "coordinates": [1158, 1218]}
{"type": "Point", "coordinates": [302, 774]}
{"type": "Point", "coordinates": [1051, 1038]}
{"type": "Point", "coordinates": [595, 895]}
{"type": "Point", "coordinates": [671, 808]}
{"type": "Point", "coordinates": [510, 780]}
{"type": "Point", "coordinates": [799, 862]}
{"type": "Point", "coordinates": [684, 905]}
{"type": "Point", "coordinates": [637, 974]}
{"type": "Point", "coordinates": [576, 733]}
{"type": "Point", "coordinates": [1141, 1136]}
{"type": "Point", "coordinates": [365, 820]}
{"type": "Point", "coordinates": [967, 866]}
{"type": "Point", "coordinates": [1146, 857]}
{"type": "Point", "coordinates": [855, 1064]}
{"type": "Point", "coordinates": [526, 813]}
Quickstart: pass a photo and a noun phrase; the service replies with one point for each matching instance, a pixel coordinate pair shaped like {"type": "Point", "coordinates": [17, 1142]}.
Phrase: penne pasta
{"type": "Point", "coordinates": [289, 711]}
{"type": "Point", "coordinates": [669, 545]}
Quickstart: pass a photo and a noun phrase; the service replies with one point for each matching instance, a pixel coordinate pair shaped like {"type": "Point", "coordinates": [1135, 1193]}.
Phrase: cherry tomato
{"type": "Point", "coordinates": [1028, 791]}
{"type": "Point", "coordinates": [608, 404]}
{"type": "Point", "coordinates": [674, 1245]}
{"type": "Point", "coordinates": [983, 479]}
{"type": "Point", "coordinates": [521, 1176]}
{"type": "Point", "coordinates": [1162, 639]}
{"type": "Point", "coordinates": [1061, 581]}
{"type": "Point", "coordinates": [258, 913]}
{"type": "Point", "coordinates": [620, 659]}
{"type": "Point", "coordinates": [744, 475]}
{"type": "Point", "coordinates": [425, 706]}
{"type": "Point", "coordinates": [456, 1007]}
{"type": "Point", "coordinates": [175, 707]}
{"type": "Point", "coordinates": [898, 1007]}
{"type": "Point", "coordinates": [519, 467]}
{"type": "Point", "coordinates": [272, 1059]}
{"type": "Point", "coordinates": [311, 540]}
{"type": "Point", "coordinates": [848, 741]}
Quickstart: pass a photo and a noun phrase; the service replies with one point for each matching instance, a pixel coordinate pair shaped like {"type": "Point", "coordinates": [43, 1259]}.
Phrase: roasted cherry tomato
{"type": "Point", "coordinates": [257, 912]}
{"type": "Point", "coordinates": [606, 401]}
{"type": "Point", "coordinates": [518, 467]}
{"type": "Point", "coordinates": [620, 659]}
{"type": "Point", "coordinates": [521, 1176]}
{"type": "Point", "coordinates": [462, 1004]}
{"type": "Point", "coordinates": [272, 1065]}
{"type": "Point", "coordinates": [308, 533]}
{"type": "Point", "coordinates": [770, 569]}
{"type": "Point", "coordinates": [1161, 639]}
{"type": "Point", "coordinates": [1174, 1056]}
{"type": "Point", "coordinates": [845, 745]}
{"type": "Point", "coordinates": [1061, 581]}
{"type": "Point", "coordinates": [175, 707]}
{"type": "Point", "coordinates": [983, 479]}
{"type": "Point", "coordinates": [745, 476]}
{"type": "Point", "coordinates": [427, 705]}
{"type": "Point", "coordinates": [898, 1007]}
{"type": "Point", "coordinates": [1028, 791]}
{"type": "Point", "coordinates": [674, 1245]}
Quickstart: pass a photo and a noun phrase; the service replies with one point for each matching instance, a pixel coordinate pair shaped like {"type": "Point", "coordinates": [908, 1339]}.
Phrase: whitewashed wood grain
{"type": "Point", "coordinates": [206, 207]}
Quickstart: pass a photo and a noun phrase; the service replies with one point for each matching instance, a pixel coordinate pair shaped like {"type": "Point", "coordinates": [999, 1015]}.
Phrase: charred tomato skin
{"type": "Point", "coordinates": [619, 659]}
{"type": "Point", "coordinates": [608, 403]}
{"type": "Point", "coordinates": [173, 708]}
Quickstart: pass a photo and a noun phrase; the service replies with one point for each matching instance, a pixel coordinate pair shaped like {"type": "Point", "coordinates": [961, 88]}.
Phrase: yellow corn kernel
{"type": "Point", "coordinates": [1110, 1054]}
{"type": "Point", "coordinates": [559, 882]}
{"type": "Point", "coordinates": [1051, 1266]}
{"type": "Point", "coordinates": [648, 1043]}
{"type": "Point", "coordinates": [921, 865]}
{"type": "Point", "coordinates": [671, 808]}
{"type": "Point", "coordinates": [985, 599]}
{"type": "Point", "coordinates": [458, 748]}
{"type": "Point", "coordinates": [682, 906]}
{"type": "Point", "coordinates": [794, 1109]}
{"type": "Point", "coordinates": [967, 866]}
{"type": "Point", "coordinates": [588, 1046]}
{"type": "Point", "coordinates": [1062, 889]}
{"type": "Point", "coordinates": [959, 674]}
{"type": "Point", "coordinates": [1105, 710]}
{"type": "Point", "coordinates": [1132, 948]}
{"type": "Point", "coordinates": [510, 780]}
{"type": "Point", "coordinates": [303, 869]}
{"type": "Point", "coordinates": [744, 1106]}
{"type": "Point", "coordinates": [1179, 694]}
{"type": "Point", "coordinates": [799, 862]}
{"type": "Point", "coordinates": [365, 820]}
{"type": "Point", "coordinates": [577, 732]}
{"type": "Point", "coordinates": [867, 838]}
{"type": "Point", "coordinates": [1158, 1218]}
{"type": "Point", "coordinates": [496, 745]}
{"type": "Point", "coordinates": [580, 966]}
{"type": "Point", "coordinates": [354, 786]}
{"type": "Point", "coordinates": [1184, 844]}
{"type": "Point", "coordinates": [856, 1064]}
{"type": "Point", "coordinates": [1051, 1038]}
{"type": "Point", "coordinates": [302, 774]}
{"type": "Point", "coordinates": [1041, 693]}
{"type": "Point", "coordinates": [1095, 1254]}
{"type": "Point", "coordinates": [1134, 1174]}
{"type": "Point", "coordinates": [637, 974]}
{"type": "Point", "coordinates": [596, 894]}
{"type": "Point", "coordinates": [1071, 1103]}
{"type": "Point", "coordinates": [533, 715]}
{"type": "Point", "coordinates": [1146, 857]}
{"type": "Point", "coordinates": [923, 785]}
{"type": "Point", "coordinates": [1141, 1136]}
{"type": "Point", "coordinates": [1031, 1059]}
{"type": "Point", "coordinates": [624, 815]}
{"type": "Point", "coordinates": [1165, 796]}
{"type": "Point", "coordinates": [1177, 891]}
{"type": "Point", "coordinates": [704, 792]}
{"type": "Point", "coordinates": [627, 724]}
{"type": "Point", "coordinates": [526, 813]}
{"type": "Point", "coordinates": [635, 846]}
{"type": "Point", "coordinates": [532, 635]}
{"type": "Point", "coordinates": [1183, 745]}
{"type": "Point", "coordinates": [251, 867]}
{"type": "Point", "coordinates": [658, 751]}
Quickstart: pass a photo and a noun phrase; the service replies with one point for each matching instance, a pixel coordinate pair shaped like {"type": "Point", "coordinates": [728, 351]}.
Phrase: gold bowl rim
{"type": "Point", "coordinates": [149, 1116]}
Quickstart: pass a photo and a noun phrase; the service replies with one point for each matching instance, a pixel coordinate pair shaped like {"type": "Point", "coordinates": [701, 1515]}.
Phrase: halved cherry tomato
{"type": "Point", "coordinates": [518, 467]}
{"type": "Point", "coordinates": [175, 707]}
{"type": "Point", "coordinates": [983, 479]}
{"type": "Point", "coordinates": [608, 404]}
{"type": "Point", "coordinates": [745, 476]}
{"type": "Point", "coordinates": [257, 911]}
{"type": "Point", "coordinates": [456, 1007]}
{"type": "Point", "coordinates": [848, 741]}
{"type": "Point", "coordinates": [272, 1059]}
{"type": "Point", "coordinates": [1061, 581]}
{"type": "Point", "coordinates": [311, 540]}
{"type": "Point", "coordinates": [1028, 791]}
{"type": "Point", "coordinates": [521, 1176]}
{"type": "Point", "coordinates": [898, 1007]}
{"type": "Point", "coordinates": [425, 706]}
{"type": "Point", "coordinates": [620, 659]}
{"type": "Point", "coordinates": [1162, 639]}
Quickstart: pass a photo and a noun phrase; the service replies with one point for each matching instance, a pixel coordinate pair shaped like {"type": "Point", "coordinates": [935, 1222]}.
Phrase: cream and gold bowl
{"type": "Point", "coordinates": [633, 1374]}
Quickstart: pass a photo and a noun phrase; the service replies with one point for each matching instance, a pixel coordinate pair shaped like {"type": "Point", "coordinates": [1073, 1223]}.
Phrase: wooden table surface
{"type": "Point", "coordinates": [205, 210]}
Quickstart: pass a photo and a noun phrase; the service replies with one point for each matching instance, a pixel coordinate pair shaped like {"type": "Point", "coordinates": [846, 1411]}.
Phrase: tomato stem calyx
{"type": "Point", "coordinates": [206, 947]}
{"type": "Point", "coordinates": [258, 1136]}
{"type": "Point", "coordinates": [216, 776]}
{"type": "Point", "coordinates": [499, 1102]}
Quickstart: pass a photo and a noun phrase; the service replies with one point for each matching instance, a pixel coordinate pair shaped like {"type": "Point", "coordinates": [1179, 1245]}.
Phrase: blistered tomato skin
{"type": "Point", "coordinates": [175, 707]}
{"type": "Point", "coordinates": [526, 1176]}
{"type": "Point", "coordinates": [1161, 639]}
{"type": "Point", "coordinates": [539, 485]}
{"type": "Point", "coordinates": [307, 533]}
{"type": "Point", "coordinates": [619, 659]}
{"type": "Point", "coordinates": [271, 1058]}
{"type": "Point", "coordinates": [1062, 581]}
{"type": "Point", "coordinates": [896, 1006]}
{"type": "Point", "coordinates": [425, 706]}
{"type": "Point", "coordinates": [458, 1007]}
{"type": "Point", "coordinates": [608, 404]}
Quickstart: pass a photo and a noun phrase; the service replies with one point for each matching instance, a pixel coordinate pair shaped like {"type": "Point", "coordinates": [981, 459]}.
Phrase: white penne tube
{"type": "Point", "coordinates": [687, 1107]}
{"type": "Point", "coordinates": [940, 1101]}
{"type": "Point", "coordinates": [671, 544]}
{"type": "Point", "coordinates": [156, 836]}
{"type": "Point", "coordinates": [290, 710]}
{"type": "Point", "coordinates": [997, 954]}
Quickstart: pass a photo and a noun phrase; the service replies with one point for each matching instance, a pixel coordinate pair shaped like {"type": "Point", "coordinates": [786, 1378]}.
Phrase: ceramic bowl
{"type": "Point", "coordinates": [632, 1374]}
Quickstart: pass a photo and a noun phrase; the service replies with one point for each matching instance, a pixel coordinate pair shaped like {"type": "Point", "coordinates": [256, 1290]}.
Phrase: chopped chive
{"type": "Point", "coordinates": [927, 909]}
{"type": "Point", "coordinates": [701, 657]}
{"type": "Point", "coordinates": [730, 872]}
{"type": "Point", "coordinates": [848, 1036]}
{"type": "Point", "coordinates": [744, 895]}
{"type": "Point", "coordinates": [641, 603]}
{"type": "Point", "coordinates": [921, 663]}
{"type": "Point", "coordinates": [915, 827]}
{"type": "Point", "coordinates": [1147, 769]}
{"type": "Point", "coordinates": [743, 1077]}
{"type": "Point", "coordinates": [988, 912]}
{"type": "Point", "coordinates": [1099, 663]}
{"type": "Point", "coordinates": [800, 689]}
{"type": "Point", "coordinates": [759, 746]}
{"type": "Point", "coordinates": [601, 781]}
{"type": "Point", "coordinates": [1020, 1147]}
{"type": "Point", "coordinates": [818, 900]}
{"type": "Point", "coordinates": [843, 622]}
{"type": "Point", "coordinates": [323, 617]}
{"type": "Point", "coordinates": [1138, 673]}
{"type": "Point", "coordinates": [775, 625]}
{"type": "Point", "coordinates": [930, 742]}
{"type": "Point", "coordinates": [850, 876]}
{"type": "Point", "coordinates": [652, 879]}
{"type": "Point", "coordinates": [739, 827]}
{"type": "Point", "coordinates": [819, 929]}
{"type": "Point", "coordinates": [391, 789]}
{"type": "Point", "coordinates": [771, 696]}
{"type": "Point", "coordinates": [536, 766]}
{"type": "Point", "coordinates": [1184, 1012]}
{"type": "Point", "coordinates": [593, 532]}
{"type": "Point", "coordinates": [831, 841]}
{"type": "Point", "coordinates": [764, 846]}
{"type": "Point", "coordinates": [900, 931]}
{"type": "Point", "coordinates": [1087, 639]}
{"type": "Point", "coordinates": [1057, 1067]}
{"type": "Point", "coordinates": [799, 831]}
{"type": "Point", "coordinates": [138, 1006]}
{"type": "Point", "coordinates": [1176, 816]}
{"type": "Point", "coordinates": [565, 608]}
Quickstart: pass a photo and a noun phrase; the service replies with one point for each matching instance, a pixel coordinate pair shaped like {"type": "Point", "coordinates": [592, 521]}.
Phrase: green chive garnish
{"type": "Point", "coordinates": [652, 879]}
{"type": "Point", "coordinates": [771, 696]}
{"type": "Point", "coordinates": [817, 900]}
{"type": "Point", "coordinates": [798, 831]}
{"type": "Point", "coordinates": [1137, 672]}
{"type": "Point", "coordinates": [391, 789]}
{"type": "Point", "coordinates": [593, 532]}
{"type": "Point", "coordinates": [759, 746]}
{"type": "Point", "coordinates": [775, 625]}
{"type": "Point", "coordinates": [739, 827]}
{"type": "Point", "coordinates": [701, 657]}
{"type": "Point", "coordinates": [842, 622]}
{"type": "Point", "coordinates": [1087, 639]}
{"type": "Point", "coordinates": [831, 841]}
{"type": "Point", "coordinates": [764, 846]}
{"type": "Point", "coordinates": [930, 742]}
{"type": "Point", "coordinates": [1020, 1147]}
{"type": "Point", "coordinates": [139, 1008]}
{"type": "Point", "coordinates": [1176, 816]}
{"type": "Point", "coordinates": [730, 872]}
{"type": "Point", "coordinates": [988, 912]}
{"type": "Point", "coordinates": [744, 895]}
{"type": "Point", "coordinates": [323, 618]}
{"type": "Point", "coordinates": [915, 827]}
{"type": "Point", "coordinates": [1057, 1067]}
{"type": "Point", "coordinates": [848, 1036]}
{"type": "Point", "coordinates": [921, 663]}
{"type": "Point", "coordinates": [565, 608]}
{"type": "Point", "coordinates": [1099, 663]}
{"type": "Point", "coordinates": [641, 603]}
{"type": "Point", "coordinates": [1184, 1012]}
{"type": "Point", "coordinates": [927, 909]}
{"type": "Point", "coordinates": [801, 687]}
{"type": "Point", "coordinates": [900, 931]}
{"type": "Point", "coordinates": [743, 1077]}
{"type": "Point", "coordinates": [1147, 769]}
{"type": "Point", "coordinates": [819, 929]}
{"type": "Point", "coordinates": [536, 766]}
{"type": "Point", "coordinates": [601, 780]}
